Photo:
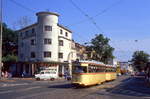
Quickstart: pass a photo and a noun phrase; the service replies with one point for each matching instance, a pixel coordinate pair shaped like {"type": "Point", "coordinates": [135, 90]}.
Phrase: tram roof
{"type": "Point", "coordinates": [93, 62]}
{"type": "Point", "coordinates": [110, 66]}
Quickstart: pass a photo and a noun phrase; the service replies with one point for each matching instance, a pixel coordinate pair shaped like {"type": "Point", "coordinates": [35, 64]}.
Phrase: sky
{"type": "Point", "coordinates": [125, 22]}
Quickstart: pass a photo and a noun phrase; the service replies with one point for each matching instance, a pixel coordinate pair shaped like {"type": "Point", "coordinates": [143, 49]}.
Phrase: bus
{"type": "Point", "coordinates": [86, 73]}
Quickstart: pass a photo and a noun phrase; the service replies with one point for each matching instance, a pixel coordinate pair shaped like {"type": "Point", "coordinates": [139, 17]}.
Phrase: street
{"type": "Point", "coordinates": [125, 87]}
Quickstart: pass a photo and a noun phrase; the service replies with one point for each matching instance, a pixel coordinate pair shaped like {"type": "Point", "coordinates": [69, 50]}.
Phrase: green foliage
{"type": "Point", "coordinates": [9, 47]}
{"type": "Point", "coordinates": [139, 59]}
{"type": "Point", "coordinates": [9, 35]}
{"type": "Point", "coordinates": [10, 58]}
{"type": "Point", "coordinates": [100, 49]}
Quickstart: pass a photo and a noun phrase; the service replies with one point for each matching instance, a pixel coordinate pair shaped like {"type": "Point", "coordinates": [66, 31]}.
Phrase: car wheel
{"type": "Point", "coordinates": [52, 79]}
{"type": "Point", "coordinates": [38, 79]}
{"type": "Point", "coordinates": [69, 78]}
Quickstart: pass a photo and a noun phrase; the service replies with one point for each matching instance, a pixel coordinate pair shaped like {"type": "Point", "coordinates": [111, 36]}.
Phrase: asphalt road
{"type": "Point", "coordinates": [124, 87]}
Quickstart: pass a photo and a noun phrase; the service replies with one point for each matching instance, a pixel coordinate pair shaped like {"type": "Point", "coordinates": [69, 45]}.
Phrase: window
{"type": "Point", "coordinates": [47, 54]}
{"type": "Point", "coordinates": [26, 33]}
{"type": "Point", "coordinates": [48, 28]}
{"type": "Point", "coordinates": [60, 55]}
{"type": "Point", "coordinates": [47, 41]}
{"type": "Point", "coordinates": [32, 42]}
{"type": "Point", "coordinates": [61, 31]}
{"type": "Point", "coordinates": [47, 72]}
{"type": "Point", "coordinates": [22, 44]}
{"type": "Point", "coordinates": [32, 54]}
{"type": "Point", "coordinates": [33, 30]}
{"type": "Point", "coordinates": [61, 43]}
{"type": "Point", "coordinates": [21, 34]}
{"type": "Point", "coordinates": [21, 55]}
{"type": "Point", "coordinates": [79, 69]}
{"type": "Point", "coordinates": [66, 33]}
{"type": "Point", "coordinates": [42, 73]}
{"type": "Point", "coordinates": [94, 69]}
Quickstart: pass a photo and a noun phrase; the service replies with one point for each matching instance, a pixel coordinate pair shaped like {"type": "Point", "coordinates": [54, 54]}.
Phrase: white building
{"type": "Point", "coordinates": [113, 62]}
{"type": "Point", "coordinates": [126, 66]}
{"type": "Point", "coordinates": [45, 43]}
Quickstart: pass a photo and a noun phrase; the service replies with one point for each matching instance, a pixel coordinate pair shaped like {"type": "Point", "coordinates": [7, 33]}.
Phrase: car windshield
{"type": "Point", "coordinates": [42, 72]}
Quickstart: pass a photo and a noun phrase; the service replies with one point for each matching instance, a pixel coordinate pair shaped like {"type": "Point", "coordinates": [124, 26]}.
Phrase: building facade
{"type": "Point", "coordinates": [81, 52]}
{"type": "Point", "coordinates": [45, 43]}
{"type": "Point", "coordinates": [126, 67]}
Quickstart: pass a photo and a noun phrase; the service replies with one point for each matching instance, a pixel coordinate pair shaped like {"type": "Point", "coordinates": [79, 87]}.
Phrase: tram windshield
{"type": "Point", "coordinates": [80, 69]}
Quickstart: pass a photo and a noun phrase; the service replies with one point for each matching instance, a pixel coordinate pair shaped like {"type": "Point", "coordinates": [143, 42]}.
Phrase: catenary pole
{"type": "Point", "coordinates": [1, 31]}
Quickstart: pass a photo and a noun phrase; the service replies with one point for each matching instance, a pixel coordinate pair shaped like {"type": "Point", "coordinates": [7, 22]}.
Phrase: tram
{"type": "Point", "coordinates": [110, 73]}
{"type": "Point", "coordinates": [86, 73]}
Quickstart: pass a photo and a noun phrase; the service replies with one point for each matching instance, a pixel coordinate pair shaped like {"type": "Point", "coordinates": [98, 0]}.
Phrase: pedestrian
{"type": "Point", "coordinates": [65, 74]}
{"type": "Point", "coordinates": [23, 74]}
{"type": "Point", "coordinates": [3, 74]}
{"type": "Point", "coordinates": [6, 74]}
{"type": "Point", "coordinates": [9, 75]}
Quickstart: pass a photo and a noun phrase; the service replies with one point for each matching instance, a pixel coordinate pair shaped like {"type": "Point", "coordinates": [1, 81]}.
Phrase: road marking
{"type": "Point", "coordinates": [27, 89]}
{"type": "Point", "coordinates": [3, 92]}
{"type": "Point", "coordinates": [20, 90]}
{"type": "Point", "coordinates": [11, 85]}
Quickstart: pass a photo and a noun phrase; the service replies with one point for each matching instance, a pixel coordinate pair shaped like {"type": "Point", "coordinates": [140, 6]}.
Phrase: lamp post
{"type": "Point", "coordinates": [1, 31]}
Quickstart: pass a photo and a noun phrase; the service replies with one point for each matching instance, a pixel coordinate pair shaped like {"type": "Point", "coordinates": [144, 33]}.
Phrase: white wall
{"type": "Point", "coordinates": [51, 20]}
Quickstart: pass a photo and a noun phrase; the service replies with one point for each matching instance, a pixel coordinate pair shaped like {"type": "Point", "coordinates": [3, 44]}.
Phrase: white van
{"type": "Point", "coordinates": [46, 75]}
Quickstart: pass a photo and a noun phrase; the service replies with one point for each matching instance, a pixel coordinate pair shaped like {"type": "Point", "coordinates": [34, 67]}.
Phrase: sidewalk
{"type": "Point", "coordinates": [14, 79]}
{"type": "Point", "coordinates": [7, 80]}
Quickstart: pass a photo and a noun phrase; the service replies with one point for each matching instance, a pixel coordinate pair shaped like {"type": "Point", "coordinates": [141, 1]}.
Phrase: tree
{"type": "Point", "coordinates": [100, 49]}
{"type": "Point", "coordinates": [9, 42]}
{"type": "Point", "coordinates": [10, 58]}
{"type": "Point", "coordinates": [139, 59]}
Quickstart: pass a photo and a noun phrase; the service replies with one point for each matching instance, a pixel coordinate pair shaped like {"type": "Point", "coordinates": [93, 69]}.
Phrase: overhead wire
{"type": "Point", "coordinates": [106, 9]}
{"type": "Point", "coordinates": [98, 14]}
{"type": "Point", "coordinates": [86, 15]}
{"type": "Point", "coordinates": [22, 6]}
{"type": "Point", "coordinates": [92, 18]}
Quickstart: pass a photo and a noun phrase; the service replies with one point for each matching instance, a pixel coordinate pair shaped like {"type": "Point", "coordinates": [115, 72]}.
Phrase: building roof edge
{"type": "Point", "coordinates": [52, 13]}
{"type": "Point", "coordinates": [26, 27]}
{"type": "Point", "coordinates": [64, 28]}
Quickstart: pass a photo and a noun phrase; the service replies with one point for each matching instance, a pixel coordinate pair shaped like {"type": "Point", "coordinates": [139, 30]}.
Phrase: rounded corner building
{"type": "Point", "coordinates": [44, 44]}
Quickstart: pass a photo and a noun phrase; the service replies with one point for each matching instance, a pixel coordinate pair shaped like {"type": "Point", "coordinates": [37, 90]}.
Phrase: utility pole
{"type": "Point", "coordinates": [1, 31]}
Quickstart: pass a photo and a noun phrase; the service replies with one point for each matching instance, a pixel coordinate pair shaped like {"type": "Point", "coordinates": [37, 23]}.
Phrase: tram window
{"type": "Point", "coordinates": [94, 69]}
{"type": "Point", "coordinates": [101, 69]}
{"type": "Point", "coordinates": [80, 69]}
{"type": "Point", "coordinates": [91, 69]}
{"type": "Point", "coordinates": [114, 69]}
{"type": "Point", "coordinates": [84, 69]}
{"type": "Point", "coordinates": [97, 69]}
{"type": "Point", "coordinates": [110, 70]}
{"type": "Point", "coordinates": [107, 69]}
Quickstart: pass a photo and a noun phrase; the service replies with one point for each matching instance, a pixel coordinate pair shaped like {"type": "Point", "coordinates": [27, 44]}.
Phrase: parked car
{"type": "Point", "coordinates": [46, 75]}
